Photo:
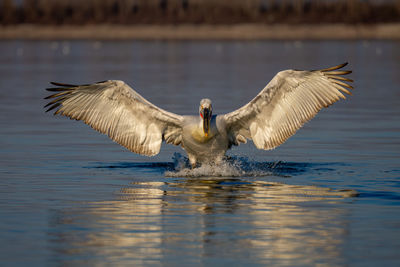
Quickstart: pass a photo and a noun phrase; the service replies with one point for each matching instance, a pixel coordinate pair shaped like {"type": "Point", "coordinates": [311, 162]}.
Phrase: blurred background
{"type": "Point", "coordinates": [198, 11]}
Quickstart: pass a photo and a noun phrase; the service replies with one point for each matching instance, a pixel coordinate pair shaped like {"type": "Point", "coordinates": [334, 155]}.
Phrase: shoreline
{"type": "Point", "coordinates": [202, 32]}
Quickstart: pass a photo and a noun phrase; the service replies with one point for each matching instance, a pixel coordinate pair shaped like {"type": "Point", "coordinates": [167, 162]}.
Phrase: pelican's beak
{"type": "Point", "coordinates": [206, 121]}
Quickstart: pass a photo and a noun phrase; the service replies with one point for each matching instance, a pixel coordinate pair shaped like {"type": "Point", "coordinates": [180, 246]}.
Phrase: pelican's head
{"type": "Point", "coordinates": [205, 111]}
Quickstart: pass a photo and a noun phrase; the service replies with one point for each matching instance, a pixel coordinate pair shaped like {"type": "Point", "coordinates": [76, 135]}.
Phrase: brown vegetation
{"type": "Point", "coordinates": [77, 12]}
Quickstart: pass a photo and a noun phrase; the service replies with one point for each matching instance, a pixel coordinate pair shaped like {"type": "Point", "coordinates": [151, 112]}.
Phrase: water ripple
{"type": "Point", "coordinates": [232, 167]}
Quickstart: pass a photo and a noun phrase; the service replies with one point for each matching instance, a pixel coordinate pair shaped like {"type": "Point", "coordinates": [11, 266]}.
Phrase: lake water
{"type": "Point", "coordinates": [329, 196]}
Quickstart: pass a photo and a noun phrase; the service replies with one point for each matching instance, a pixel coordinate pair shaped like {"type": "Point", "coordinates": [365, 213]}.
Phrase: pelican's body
{"type": "Point", "coordinates": [291, 98]}
{"type": "Point", "coordinates": [202, 148]}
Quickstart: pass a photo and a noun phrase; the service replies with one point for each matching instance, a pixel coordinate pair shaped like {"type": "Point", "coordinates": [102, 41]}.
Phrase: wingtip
{"type": "Point", "coordinates": [53, 106]}
{"type": "Point", "coordinates": [63, 84]}
{"type": "Point", "coordinates": [342, 65]}
{"type": "Point", "coordinates": [48, 104]}
{"type": "Point", "coordinates": [335, 67]}
{"type": "Point", "coordinates": [56, 84]}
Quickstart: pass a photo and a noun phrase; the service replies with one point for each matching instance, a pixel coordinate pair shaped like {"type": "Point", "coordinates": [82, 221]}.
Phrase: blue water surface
{"type": "Point", "coordinates": [70, 196]}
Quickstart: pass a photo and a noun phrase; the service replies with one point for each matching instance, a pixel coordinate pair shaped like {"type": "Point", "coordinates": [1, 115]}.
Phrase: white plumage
{"type": "Point", "coordinates": [292, 98]}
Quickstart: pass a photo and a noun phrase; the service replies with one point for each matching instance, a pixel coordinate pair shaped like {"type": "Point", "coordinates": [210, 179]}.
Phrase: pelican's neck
{"type": "Point", "coordinates": [201, 122]}
{"type": "Point", "coordinates": [200, 125]}
{"type": "Point", "coordinates": [200, 130]}
{"type": "Point", "coordinates": [198, 133]}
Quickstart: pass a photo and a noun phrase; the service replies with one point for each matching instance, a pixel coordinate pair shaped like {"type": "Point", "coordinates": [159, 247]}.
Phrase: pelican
{"type": "Point", "coordinates": [289, 100]}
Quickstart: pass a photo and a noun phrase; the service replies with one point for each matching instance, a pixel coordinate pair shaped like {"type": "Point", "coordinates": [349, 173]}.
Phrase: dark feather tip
{"type": "Point", "coordinates": [48, 104]}
{"type": "Point", "coordinates": [63, 84]}
{"type": "Point", "coordinates": [55, 101]}
{"type": "Point", "coordinates": [58, 94]}
{"type": "Point", "coordinates": [58, 89]}
{"type": "Point", "coordinates": [53, 107]}
{"type": "Point", "coordinates": [335, 67]}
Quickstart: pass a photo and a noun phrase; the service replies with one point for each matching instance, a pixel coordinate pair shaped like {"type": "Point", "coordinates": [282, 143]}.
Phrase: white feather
{"type": "Point", "coordinates": [285, 104]}
{"type": "Point", "coordinates": [115, 109]}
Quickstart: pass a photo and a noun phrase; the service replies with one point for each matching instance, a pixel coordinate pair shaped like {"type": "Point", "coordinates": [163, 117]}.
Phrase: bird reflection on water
{"type": "Point", "coordinates": [142, 225]}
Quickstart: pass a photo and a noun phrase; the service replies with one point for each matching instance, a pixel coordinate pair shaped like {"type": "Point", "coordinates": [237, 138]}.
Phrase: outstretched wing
{"type": "Point", "coordinates": [292, 98]}
{"type": "Point", "coordinates": [115, 109]}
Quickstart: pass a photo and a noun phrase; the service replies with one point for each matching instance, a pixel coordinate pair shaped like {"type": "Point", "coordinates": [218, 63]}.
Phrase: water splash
{"type": "Point", "coordinates": [231, 167]}
{"type": "Point", "coordinates": [234, 166]}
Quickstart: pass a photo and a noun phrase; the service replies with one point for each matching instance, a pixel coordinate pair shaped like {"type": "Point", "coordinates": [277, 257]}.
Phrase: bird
{"type": "Point", "coordinates": [288, 101]}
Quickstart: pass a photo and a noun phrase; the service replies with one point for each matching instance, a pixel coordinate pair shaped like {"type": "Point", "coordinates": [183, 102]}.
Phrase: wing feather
{"type": "Point", "coordinates": [292, 98]}
{"type": "Point", "coordinates": [114, 108]}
